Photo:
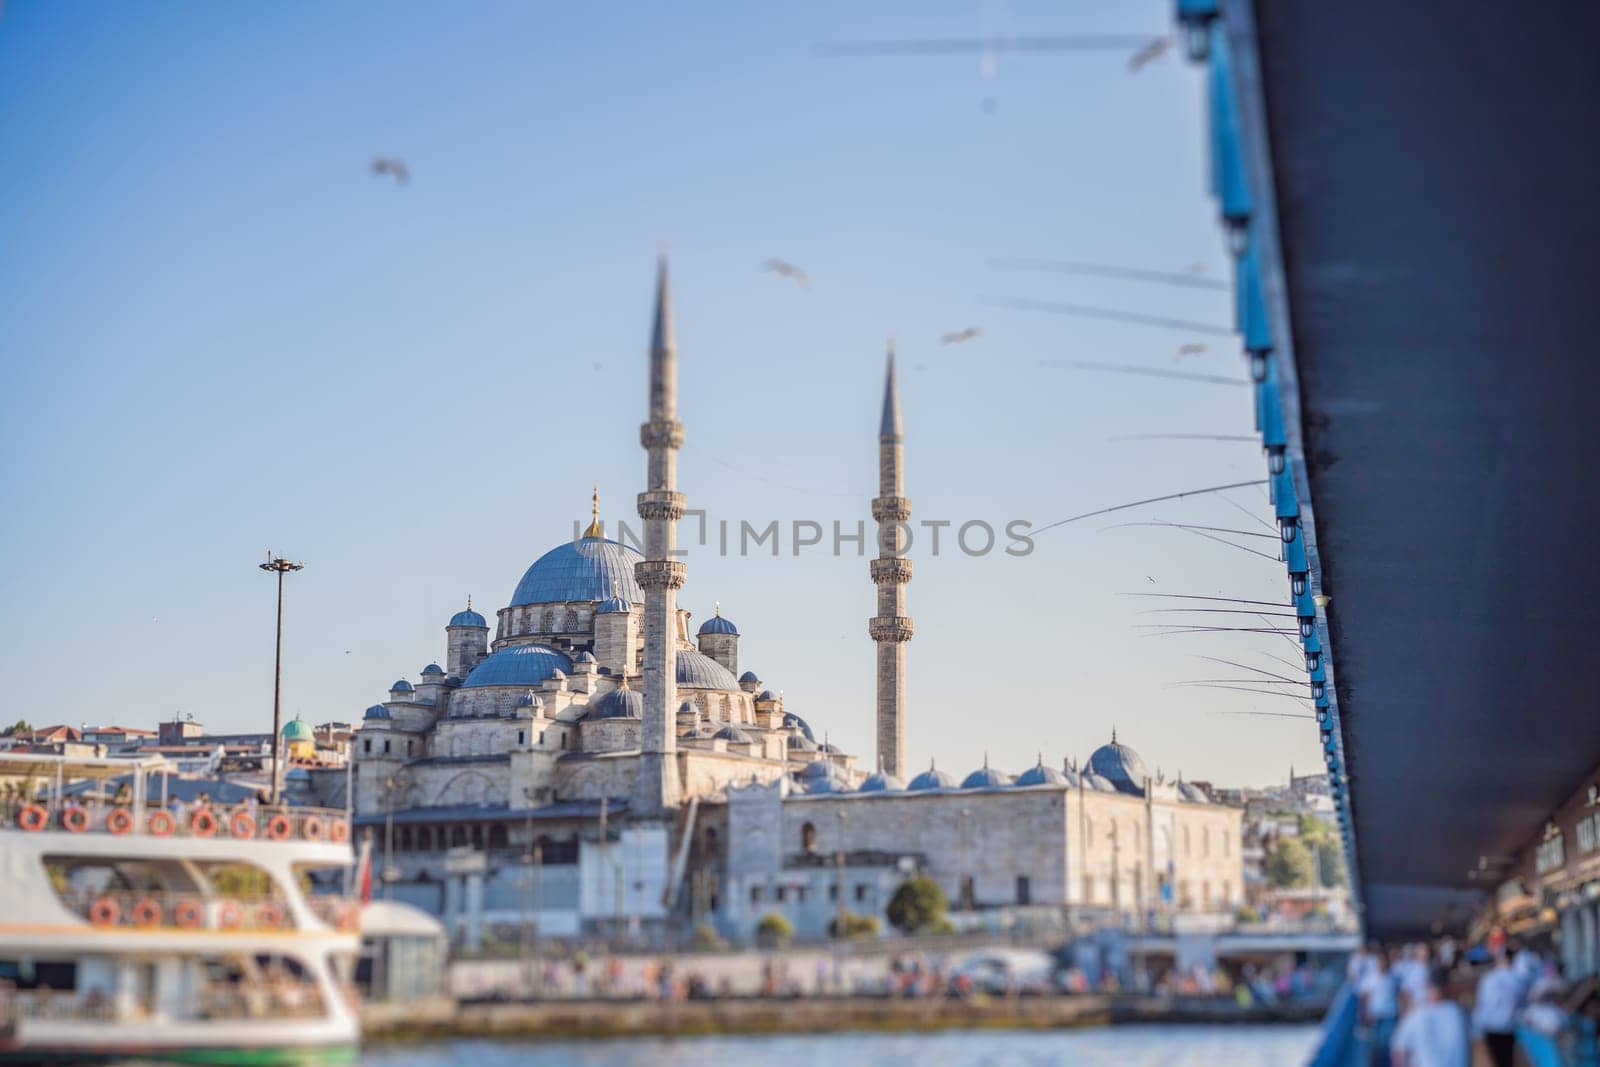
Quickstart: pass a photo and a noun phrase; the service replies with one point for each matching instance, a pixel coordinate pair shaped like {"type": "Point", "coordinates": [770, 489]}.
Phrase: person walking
{"type": "Point", "coordinates": [1494, 1014]}
{"type": "Point", "coordinates": [1380, 1007]}
{"type": "Point", "coordinates": [1434, 1030]}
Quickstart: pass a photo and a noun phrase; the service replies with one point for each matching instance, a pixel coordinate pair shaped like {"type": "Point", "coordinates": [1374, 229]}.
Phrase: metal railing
{"type": "Point", "coordinates": [213, 1002]}
{"type": "Point", "coordinates": [238, 821]}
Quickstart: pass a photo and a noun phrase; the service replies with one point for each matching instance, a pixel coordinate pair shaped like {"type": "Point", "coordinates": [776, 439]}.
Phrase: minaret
{"type": "Point", "coordinates": [891, 627]}
{"type": "Point", "coordinates": [660, 575]}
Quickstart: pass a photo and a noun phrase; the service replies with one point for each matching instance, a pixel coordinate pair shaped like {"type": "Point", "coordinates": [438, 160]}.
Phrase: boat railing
{"type": "Point", "coordinates": [157, 910]}
{"type": "Point", "coordinates": [215, 1001]}
{"type": "Point", "coordinates": [236, 821]}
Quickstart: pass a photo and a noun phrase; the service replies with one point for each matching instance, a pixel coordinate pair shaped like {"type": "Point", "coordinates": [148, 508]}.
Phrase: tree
{"type": "Point", "coordinates": [773, 930]}
{"type": "Point", "coordinates": [1289, 866]}
{"type": "Point", "coordinates": [21, 726]}
{"type": "Point", "coordinates": [918, 906]}
{"type": "Point", "coordinates": [1330, 866]}
{"type": "Point", "coordinates": [855, 927]}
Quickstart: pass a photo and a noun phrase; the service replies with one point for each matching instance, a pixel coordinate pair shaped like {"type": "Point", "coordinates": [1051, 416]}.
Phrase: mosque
{"type": "Point", "coordinates": [594, 750]}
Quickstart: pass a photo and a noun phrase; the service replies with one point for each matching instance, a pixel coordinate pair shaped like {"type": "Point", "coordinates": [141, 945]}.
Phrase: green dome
{"type": "Point", "coordinates": [298, 730]}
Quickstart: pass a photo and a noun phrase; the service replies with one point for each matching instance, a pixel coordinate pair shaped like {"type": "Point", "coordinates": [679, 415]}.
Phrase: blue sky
{"type": "Point", "coordinates": [224, 334]}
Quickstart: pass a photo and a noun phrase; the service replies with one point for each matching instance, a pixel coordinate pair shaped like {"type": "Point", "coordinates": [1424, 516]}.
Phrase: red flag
{"type": "Point", "coordinates": [364, 873]}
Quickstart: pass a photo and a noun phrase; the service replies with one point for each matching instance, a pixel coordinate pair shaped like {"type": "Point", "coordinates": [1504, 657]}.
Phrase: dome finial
{"type": "Point", "coordinates": [469, 601]}
{"type": "Point", "coordinates": [716, 608]}
{"type": "Point", "coordinates": [624, 683]}
{"type": "Point", "coordinates": [1113, 735]}
{"type": "Point", "coordinates": [596, 527]}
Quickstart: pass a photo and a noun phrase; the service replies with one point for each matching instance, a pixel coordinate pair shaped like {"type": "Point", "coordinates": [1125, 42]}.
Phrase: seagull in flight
{"type": "Point", "coordinates": [396, 167]}
{"type": "Point", "coordinates": [785, 269]}
{"type": "Point", "coordinates": [1193, 348]}
{"type": "Point", "coordinates": [1149, 54]}
{"type": "Point", "coordinates": [960, 336]}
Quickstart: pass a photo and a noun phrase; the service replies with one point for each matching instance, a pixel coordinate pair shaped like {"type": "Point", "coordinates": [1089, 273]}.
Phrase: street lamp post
{"type": "Point", "coordinates": [280, 567]}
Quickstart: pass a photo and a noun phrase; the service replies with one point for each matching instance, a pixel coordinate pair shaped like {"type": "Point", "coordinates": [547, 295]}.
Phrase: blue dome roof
{"type": "Point", "coordinates": [584, 657]}
{"type": "Point", "coordinates": [521, 665]}
{"type": "Point", "coordinates": [932, 778]}
{"type": "Point", "coordinates": [1121, 766]}
{"type": "Point", "coordinates": [835, 784]}
{"type": "Point", "coordinates": [402, 686]}
{"type": "Point", "coordinates": [1192, 793]}
{"type": "Point", "coordinates": [613, 605]}
{"type": "Point", "coordinates": [718, 625]}
{"type": "Point", "coordinates": [985, 778]}
{"type": "Point", "coordinates": [433, 668]}
{"type": "Point", "coordinates": [468, 618]}
{"type": "Point", "coordinates": [377, 711]}
{"type": "Point", "coordinates": [617, 704]}
{"type": "Point", "coordinates": [1099, 783]}
{"type": "Point", "coordinates": [791, 719]}
{"type": "Point", "coordinates": [749, 676]}
{"type": "Point", "coordinates": [824, 776]}
{"type": "Point", "coordinates": [881, 782]}
{"type": "Point", "coordinates": [765, 694]}
{"type": "Point", "coordinates": [1041, 775]}
{"type": "Point", "coordinates": [590, 569]}
{"type": "Point", "coordinates": [802, 742]}
{"type": "Point", "coordinates": [699, 671]}
{"type": "Point", "coordinates": [735, 735]}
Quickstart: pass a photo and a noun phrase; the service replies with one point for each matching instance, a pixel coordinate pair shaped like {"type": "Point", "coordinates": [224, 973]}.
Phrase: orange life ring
{"type": "Point", "coordinates": [119, 820]}
{"type": "Point", "coordinates": [146, 913]}
{"type": "Point", "coordinates": [269, 917]}
{"type": "Point", "coordinates": [188, 913]}
{"type": "Point", "coordinates": [311, 828]}
{"type": "Point", "coordinates": [278, 827]}
{"type": "Point", "coordinates": [104, 912]}
{"type": "Point", "coordinates": [338, 831]}
{"type": "Point", "coordinates": [162, 823]}
{"type": "Point", "coordinates": [228, 915]}
{"type": "Point", "coordinates": [242, 824]}
{"type": "Point", "coordinates": [33, 818]}
{"type": "Point", "coordinates": [203, 823]}
{"type": "Point", "coordinates": [75, 819]}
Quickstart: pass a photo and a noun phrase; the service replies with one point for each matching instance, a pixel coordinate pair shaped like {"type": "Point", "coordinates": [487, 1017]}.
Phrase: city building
{"type": "Point", "coordinates": [599, 760]}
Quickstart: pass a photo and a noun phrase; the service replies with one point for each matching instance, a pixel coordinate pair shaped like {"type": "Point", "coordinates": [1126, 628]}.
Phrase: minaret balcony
{"type": "Point", "coordinates": [661, 504]}
{"type": "Point", "coordinates": [660, 573]}
{"type": "Point", "coordinates": [890, 628]}
{"type": "Point", "coordinates": [885, 508]}
{"type": "Point", "coordinates": [661, 433]}
{"type": "Point", "coordinates": [893, 571]}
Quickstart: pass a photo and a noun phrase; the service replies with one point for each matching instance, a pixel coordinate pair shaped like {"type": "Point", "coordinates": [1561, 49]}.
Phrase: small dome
{"type": "Point", "coordinates": [881, 782]}
{"type": "Point", "coordinates": [830, 748]}
{"type": "Point", "coordinates": [1192, 793]}
{"type": "Point", "coordinates": [824, 776]}
{"type": "Point", "coordinates": [793, 721]}
{"type": "Point", "coordinates": [521, 665]}
{"type": "Point", "coordinates": [802, 743]}
{"type": "Point", "coordinates": [558, 675]}
{"type": "Point", "coordinates": [718, 625]}
{"type": "Point", "coordinates": [431, 669]}
{"type": "Point", "coordinates": [585, 657]}
{"type": "Point", "coordinates": [734, 735]}
{"type": "Point", "coordinates": [1039, 774]}
{"type": "Point", "coordinates": [699, 671]}
{"type": "Point", "coordinates": [837, 784]}
{"type": "Point", "coordinates": [749, 676]}
{"type": "Point", "coordinates": [297, 729]}
{"type": "Point", "coordinates": [765, 694]}
{"type": "Point", "coordinates": [985, 777]}
{"type": "Point", "coordinates": [613, 605]}
{"type": "Point", "coordinates": [402, 686]}
{"type": "Point", "coordinates": [1121, 766]}
{"type": "Point", "coordinates": [1099, 783]}
{"type": "Point", "coordinates": [617, 704]}
{"type": "Point", "coordinates": [377, 711]}
{"type": "Point", "coordinates": [932, 778]}
{"type": "Point", "coordinates": [532, 702]}
{"type": "Point", "coordinates": [468, 618]}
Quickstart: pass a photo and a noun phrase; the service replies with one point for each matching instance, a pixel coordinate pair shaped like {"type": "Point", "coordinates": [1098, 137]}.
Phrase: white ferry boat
{"type": "Point", "coordinates": [182, 933]}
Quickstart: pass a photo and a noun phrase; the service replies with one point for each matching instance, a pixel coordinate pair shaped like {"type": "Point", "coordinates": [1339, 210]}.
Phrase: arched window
{"type": "Point", "coordinates": [808, 838]}
{"type": "Point", "coordinates": [1205, 896]}
{"type": "Point", "coordinates": [549, 620]}
{"type": "Point", "coordinates": [1135, 835]}
{"type": "Point", "coordinates": [1205, 845]}
{"type": "Point", "coordinates": [1186, 850]}
{"type": "Point", "coordinates": [1227, 847]}
{"type": "Point", "coordinates": [570, 622]}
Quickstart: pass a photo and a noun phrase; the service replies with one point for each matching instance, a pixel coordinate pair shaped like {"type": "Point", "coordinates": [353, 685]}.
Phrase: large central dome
{"type": "Point", "coordinates": [589, 569]}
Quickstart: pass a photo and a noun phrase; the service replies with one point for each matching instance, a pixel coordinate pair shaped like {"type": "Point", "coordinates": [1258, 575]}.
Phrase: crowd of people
{"type": "Point", "coordinates": [1411, 1001]}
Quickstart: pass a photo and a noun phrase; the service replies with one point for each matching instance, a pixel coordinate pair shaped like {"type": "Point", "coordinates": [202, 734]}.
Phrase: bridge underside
{"type": "Point", "coordinates": [1436, 181]}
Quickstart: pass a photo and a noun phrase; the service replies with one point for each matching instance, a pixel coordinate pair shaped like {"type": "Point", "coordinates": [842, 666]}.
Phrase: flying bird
{"type": "Point", "coordinates": [1193, 348]}
{"type": "Point", "coordinates": [396, 167]}
{"type": "Point", "coordinates": [785, 269]}
{"type": "Point", "coordinates": [1149, 54]}
{"type": "Point", "coordinates": [960, 335]}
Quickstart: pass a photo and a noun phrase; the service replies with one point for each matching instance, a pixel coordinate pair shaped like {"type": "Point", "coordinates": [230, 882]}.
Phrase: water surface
{"type": "Point", "coordinates": [1121, 1046]}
